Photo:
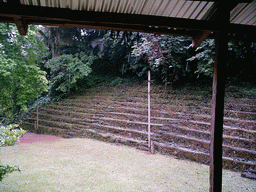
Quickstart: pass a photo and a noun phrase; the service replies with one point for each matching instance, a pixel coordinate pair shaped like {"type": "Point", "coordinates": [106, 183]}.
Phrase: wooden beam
{"type": "Point", "coordinates": [199, 38]}
{"type": "Point", "coordinates": [116, 21]}
{"type": "Point", "coordinates": [221, 51]}
{"type": "Point", "coordinates": [55, 15]}
{"type": "Point", "coordinates": [21, 25]}
{"type": "Point", "coordinates": [202, 35]}
{"type": "Point", "coordinates": [146, 29]}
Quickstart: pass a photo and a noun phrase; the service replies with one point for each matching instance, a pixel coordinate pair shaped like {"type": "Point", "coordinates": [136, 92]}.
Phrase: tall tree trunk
{"type": "Point", "coordinates": [51, 43]}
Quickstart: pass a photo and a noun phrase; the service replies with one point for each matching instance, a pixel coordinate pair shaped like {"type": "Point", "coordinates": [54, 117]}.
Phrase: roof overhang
{"type": "Point", "coordinates": [25, 14]}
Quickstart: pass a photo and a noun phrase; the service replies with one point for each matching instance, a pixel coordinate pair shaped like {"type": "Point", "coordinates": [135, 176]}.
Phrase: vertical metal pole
{"type": "Point", "coordinates": [218, 90]}
{"type": "Point", "coordinates": [149, 131]}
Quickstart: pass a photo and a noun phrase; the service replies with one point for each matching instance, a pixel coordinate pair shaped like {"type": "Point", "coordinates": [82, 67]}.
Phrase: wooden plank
{"type": "Point", "coordinates": [221, 51]}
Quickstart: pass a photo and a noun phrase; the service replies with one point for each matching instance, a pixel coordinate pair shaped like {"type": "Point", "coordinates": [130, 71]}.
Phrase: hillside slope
{"type": "Point", "coordinates": [180, 122]}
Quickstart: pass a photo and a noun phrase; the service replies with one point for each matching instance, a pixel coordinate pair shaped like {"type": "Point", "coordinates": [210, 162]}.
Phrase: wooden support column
{"type": "Point", "coordinates": [221, 55]}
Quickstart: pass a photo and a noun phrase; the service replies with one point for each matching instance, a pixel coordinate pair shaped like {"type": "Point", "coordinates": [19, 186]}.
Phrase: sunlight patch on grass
{"type": "Point", "coordinates": [90, 165]}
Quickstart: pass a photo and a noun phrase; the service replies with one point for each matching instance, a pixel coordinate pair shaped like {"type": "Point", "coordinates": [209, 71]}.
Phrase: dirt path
{"type": "Point", "coordinates": [32, 137]}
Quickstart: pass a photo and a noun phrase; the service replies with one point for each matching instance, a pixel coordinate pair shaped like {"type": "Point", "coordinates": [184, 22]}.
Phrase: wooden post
{"type": "Point", "coordinates": [152, 147]}
{"type": "Point", "coordinates": [37, 114]}
{"type": "Point", "coordinates": [221, 55]}
{"type": "Point", "coordinates": [149, 131]}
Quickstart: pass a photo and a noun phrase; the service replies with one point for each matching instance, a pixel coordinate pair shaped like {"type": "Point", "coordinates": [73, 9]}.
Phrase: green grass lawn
{"type": "Point", "coordinates": [90, 165]}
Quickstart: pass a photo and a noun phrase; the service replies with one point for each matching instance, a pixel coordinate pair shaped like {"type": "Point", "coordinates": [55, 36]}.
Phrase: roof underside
{"type": "Point", "coordinates": [177, 17]}
{"type": "Point", "coordinates": [243, 13]}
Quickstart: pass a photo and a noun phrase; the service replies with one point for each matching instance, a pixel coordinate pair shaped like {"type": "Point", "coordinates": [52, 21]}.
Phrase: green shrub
{"type": "Point", "coordinates": [66, 71]}
{"type": "Point", "coordinates": [93, 80]}
{"type": "Point", "coordinates": [117, 81]}
{"type": "Point", "coordinates": [8, 136]}
{"type": "Point", "coordinates": [5, 169]}
{"type": "Point", "coordinates": [122, 81]}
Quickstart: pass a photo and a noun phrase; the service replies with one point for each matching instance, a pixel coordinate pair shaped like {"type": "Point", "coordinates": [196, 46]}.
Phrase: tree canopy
{"type": "Point", "coordinates": [54, 61]}
{"type": "Point", "coordinates": [21, 79]}
{"type": "Point", "coordinates": [66, 70]}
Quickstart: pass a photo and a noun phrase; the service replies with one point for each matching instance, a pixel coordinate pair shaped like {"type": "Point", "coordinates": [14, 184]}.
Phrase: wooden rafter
{"type": "Point", "coordinates": [199, 38]}
{"type": "Point", "coordinates": [21, 25]}
{"type": "Point", "coordinates": [202, 35]}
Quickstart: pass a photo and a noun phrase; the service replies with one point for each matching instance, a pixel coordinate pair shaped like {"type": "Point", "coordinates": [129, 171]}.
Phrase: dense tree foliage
{"type": "Point", "coordinates": [21, 80]}
{"type": "Point", "coordinates": [163, 54]}
{"type": "Point", "coordinates": [66, 70]}
{"type": "Point", "coordinates": [72, 58]}
{"type": "Point", "coordinates": [204, 59]}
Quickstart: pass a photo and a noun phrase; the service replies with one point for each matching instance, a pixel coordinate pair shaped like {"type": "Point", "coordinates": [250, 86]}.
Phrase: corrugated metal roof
{"type": "Point", "coordinates": [243, 13]}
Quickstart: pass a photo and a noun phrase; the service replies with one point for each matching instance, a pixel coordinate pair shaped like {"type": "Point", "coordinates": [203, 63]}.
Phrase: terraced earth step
{"type": "Point", "coordinates": [206, 118]}
{"type": "Point", "coordinates": [201, 157]}
{"type": "Point", "coordinates": [59, 124]}
{"type": "Point", "coordinates": [180, 123]}
{"type": "Point", "coordinates": [175, 120]}
{"type": "Point", "coordinates": [244, 127]}
{"type": "Point", "coordinates": [112, 138]}
{"type": "Point", "coordinates": [187, 114]}
{"type": "Point", "coordinates": [181, 152]}
{"type": "Point", "coordinates": [170, 101]}
{"type": "Point", "coordinates": [250, 124]}
{"type": "Point", "coordinates": [163, 136]}
{"type": "Point", "coordinates": [175, 127]}
{"type": "Point", "coordinates": [80, 119]}
{"type": "Point", "coordinates": [120, 131]}
{"type": "Point", "coordinates": [203, 145]}
{"type": "Point", "coordinates": [173, 103]}
{"type": "Point", "coordinates": [88, 133]}
{"type": "Point", "coordinates": [44, 129]}
{"type": "Point", "coordinates": [227, 129]}
{"type": "Point", "coordinates": [74, 123]}
{"type": "Point", "coordinates": [66, 122]}
{"type": "Point", "coordinates": [169, 120]}
{"type": "Point", "coordinates": [197, 109]}
{"type": "Point", "coordinates": [127, 123]}
{"type": "Point", "coordinates": [61, 112]}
